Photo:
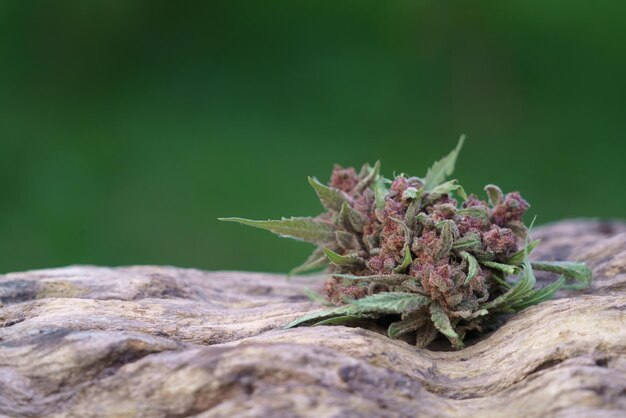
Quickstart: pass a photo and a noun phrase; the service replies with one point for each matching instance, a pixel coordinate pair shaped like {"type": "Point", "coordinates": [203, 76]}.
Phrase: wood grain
{"type": "Point", "coordinates": [168, 342]}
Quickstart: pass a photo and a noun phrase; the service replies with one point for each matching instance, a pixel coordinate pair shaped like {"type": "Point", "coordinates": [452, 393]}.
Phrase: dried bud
{"type": "Point", "coordinates": [413, 252]}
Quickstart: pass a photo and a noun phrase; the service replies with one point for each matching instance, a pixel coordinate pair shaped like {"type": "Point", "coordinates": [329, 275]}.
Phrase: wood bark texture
{"type": "Point", "coordinates": [150, 341]}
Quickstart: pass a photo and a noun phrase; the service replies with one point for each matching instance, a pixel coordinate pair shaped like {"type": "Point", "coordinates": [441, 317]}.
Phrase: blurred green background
{"type": "Point", "coordinates": [127, 127]}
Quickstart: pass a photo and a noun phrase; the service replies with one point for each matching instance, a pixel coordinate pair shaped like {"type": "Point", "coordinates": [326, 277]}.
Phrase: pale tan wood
{"type": "Point", "coordinates": [162, 341]}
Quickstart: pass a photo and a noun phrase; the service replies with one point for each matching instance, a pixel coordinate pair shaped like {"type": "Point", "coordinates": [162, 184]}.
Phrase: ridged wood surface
{"type": "Point", "coordinates": [151, 341]}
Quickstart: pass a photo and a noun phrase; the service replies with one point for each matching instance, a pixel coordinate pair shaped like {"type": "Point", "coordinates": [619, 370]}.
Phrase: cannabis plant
{"type": "Point", "coordinates": [419, 253]}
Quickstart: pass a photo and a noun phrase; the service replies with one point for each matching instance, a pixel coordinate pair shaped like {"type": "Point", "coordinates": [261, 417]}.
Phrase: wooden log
{"type": "Point", "coordinates": [168, 342]}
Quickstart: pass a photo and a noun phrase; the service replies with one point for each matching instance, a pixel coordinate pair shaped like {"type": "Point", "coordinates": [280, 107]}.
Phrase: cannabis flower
{"type": "Point", "coordinates": [406, 251]}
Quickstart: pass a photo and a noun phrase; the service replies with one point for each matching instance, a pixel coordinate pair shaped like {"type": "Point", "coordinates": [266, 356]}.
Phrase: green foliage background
{"type": "Point", "coordinates": [127, 127]}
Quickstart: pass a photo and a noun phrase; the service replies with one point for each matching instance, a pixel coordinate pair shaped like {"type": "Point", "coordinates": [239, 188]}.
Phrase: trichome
{"type": "Point", "coordinates": [419, 253]}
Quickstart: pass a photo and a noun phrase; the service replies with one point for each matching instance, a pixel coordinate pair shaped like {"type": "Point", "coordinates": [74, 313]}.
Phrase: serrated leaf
{"type": "Point", "coordinates": [369, 179]}
{"type": "Point", "coordinates": [494, 194]}
{"type": "Point", "coordinates": [326, 313]}
{"type": "Point", "coordinates": [505, 268]}
{"type": "Point", "coordinates": [442, 323]}
{"type": "Point", "coordinates": [468, 242]}
{"type": "Point", "coordinates": [351, 218]}
{"type": "Point", "coordinates": [316, 261]}
{"type": "Point", "coordinates": [445, 188]}
{"type": "Point", "coordinates": [391, 302]}
{"type": "Point", "coordinates": [304, 229]}
{"type": "Point", "coordinates": [409, 324]}
{"type": "Point", "coordinates": [518, 258]}
{"type": "Point", "coordinates": [380, 303]}
{"type": "Point", "coordinates": [385, 279]}
{"type": "Point", "coordinates": [342, 260]}
{"type": "Point", "coordinates": [570, 269]}
{"type": "Point", "coordinates": [472, 268]}
{"type": "Point", "coordinates": [443, 168]}
{"type": "Point", "coordinates": [330, 197]}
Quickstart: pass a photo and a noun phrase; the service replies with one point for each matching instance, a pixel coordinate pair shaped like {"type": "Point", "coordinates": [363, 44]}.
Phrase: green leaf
{"type": "Point", "coordinates": [541, 295]}
{"type": "Point", "coordinates": [482, 254]}
{"type": "Point", "coordinates": [442, 323]}
{"type": "Point", "coordinates": [351, 219]}
{"type": "Point", "coordinates": [518, 228]}
{"type": "Point", "coordinates": [326, 313]}
{"type": "Point", "coordinates": [426, 335]}
{"type": "Point", "coordinates": [380, 191]}
{"type": "Point", "coordinates": [522, 294]}
{"type": "Point", "coordinates": [570, 269]}
{"type": "Point", "coordinates": [369, 179]}
{"type": "Point", "coordinates": [494, 194]}
{"type": "Point", "coordinates": [330, 197]}
{"type": "Point", "coordinates": [391, 302]}
{"type": "Point", "coordinates": [412, 193]}
{"type": "Point", "coordinates": [410, 217]}
{"type": "Point", "coordinates": [342, 260]}
{"type": "Point", "coordinates": [496, 277]}
{"type": "Point", "coordinates": [380, 303]}
{"type": "Point", "coordinates": [424, 220]}
{"type": "Point", "coordinates": [447, 239]}
{"type": "Point", "coordinates": [505, 268]}
{"type": "Point", "coordinates": [468, 242]}
{"type": "Point", "coordinates": [445, 188]}
{"type": "Point", "coordinates": [347, 240]}
{"type": "Point", "coordinates": [468, 314]}
{"type": "Point", "coordinates": [474, 212]}
{"type": "Point", "coordinates": [340, 320]}
{"type": "Point", "coordinates": [409, 324]}
{"type": "Point", "coordinates": [385, 279]}
{"type": "Point", "coordinates": [443, 168]}
{"type": "Point", "coordinates": [472, 268]}
{"type": "Point", "coordinates": [406, 262]}
{"type": "Point", "coordinates": [372, 242]}
{"type": "Point", "coordinates": [516, 294]}
{"type": "Point", "coordinates": [518, 258]}
{"type": "Point", "coordinates": [413, 285]}
{"type": "Point", "coordinates": [316, 261]}
{"type": "Point", "coordinates": [305, 229]}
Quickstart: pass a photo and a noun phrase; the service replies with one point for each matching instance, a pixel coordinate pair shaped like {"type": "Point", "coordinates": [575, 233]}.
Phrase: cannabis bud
{"type": "Point", "coordinates": [406, 251]}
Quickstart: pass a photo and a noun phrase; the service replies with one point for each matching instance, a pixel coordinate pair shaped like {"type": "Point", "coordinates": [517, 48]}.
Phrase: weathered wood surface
{"type": "Point", "coordinates": [163, 341]}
